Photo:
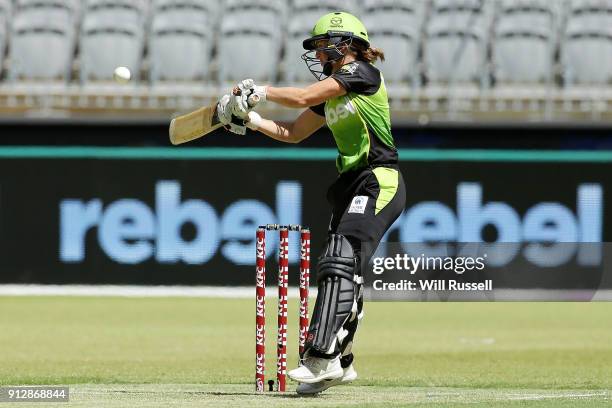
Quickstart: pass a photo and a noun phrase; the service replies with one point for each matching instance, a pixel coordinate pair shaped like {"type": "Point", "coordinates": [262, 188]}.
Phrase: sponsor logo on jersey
{"type": "Point", "coordinates": [341, 111]}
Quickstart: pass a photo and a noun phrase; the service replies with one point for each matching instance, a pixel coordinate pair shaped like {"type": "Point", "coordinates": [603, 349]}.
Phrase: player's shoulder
{"type": "Point", "coordinates": [360, 67]}
{"type": "Point", "coordinates": [359, 76]}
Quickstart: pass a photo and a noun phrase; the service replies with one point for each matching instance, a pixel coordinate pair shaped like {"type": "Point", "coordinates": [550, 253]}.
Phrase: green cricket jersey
{"type": "Point", "coordinates": [360, 120]}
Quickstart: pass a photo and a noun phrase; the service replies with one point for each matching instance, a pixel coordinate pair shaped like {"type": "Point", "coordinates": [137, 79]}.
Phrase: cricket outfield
{"type": "Point", "coordinates": [183, 352]}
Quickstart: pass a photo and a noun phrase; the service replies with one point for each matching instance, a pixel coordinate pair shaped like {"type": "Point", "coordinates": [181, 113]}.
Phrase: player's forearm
{"type": "Point", "coordinates": [281, 131]}
{"type": "Point", "coordinates": [289, 97]}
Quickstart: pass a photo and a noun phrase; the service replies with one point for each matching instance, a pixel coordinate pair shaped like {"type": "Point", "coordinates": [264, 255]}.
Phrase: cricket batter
{"type": "Point", "coordinates": [367, 196]}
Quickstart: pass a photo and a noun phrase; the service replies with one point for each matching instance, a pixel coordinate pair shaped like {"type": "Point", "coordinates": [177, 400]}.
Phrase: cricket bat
{"type": "Point", "coordinates": [200, 122]}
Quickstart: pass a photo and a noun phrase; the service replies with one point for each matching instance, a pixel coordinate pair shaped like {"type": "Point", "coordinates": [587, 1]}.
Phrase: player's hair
{"type": "Point", "coordinates": [370, 54]}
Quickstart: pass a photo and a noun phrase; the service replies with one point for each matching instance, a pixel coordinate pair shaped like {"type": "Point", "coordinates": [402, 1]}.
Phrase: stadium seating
{"type": "Point", "coordinates": [455, 48]}
{"type": "Point", "coordinates": [443, 41]}
{"type": "Point", "coordinates": [323, 6]}
{"type": "Point", "coordinates": [523, 42]}
{"type": "Point", "coordinates": [587, 56]}
{"type": "Point", "coordinates": [6, 6]}
{"type": "Point", "coordinates": [257, 12]}
{"type": "Point", "coordinates": [212, 8]}
{"type": "Point", "coordinates": [396, 27]}
{"type": "Point", "coordinates": [136, 9]}
{"type": "Point", "coordinates": [543, 12]}
{"type": "Point", "coordinates": [524, 14]}
{"type": "Point", "coordinates": [586, 51]}
{"type": "Point", "coordinates": [5, 17]}
{"type": "Point", "coordinates": [401, 47]}
{"type": "Point", "coordinates": [417, 8]}
{"type": "Point", "coordinates": [280, 7]}
{"type": "Point", "coordinates": [454, 56]}
{"type": "Point", "coordinates": [298, 29]}
{"type": "Point", "coordinates": [596, 14]}
{"type": "Point", "coordinates": [248, 50]}
{"type": "Point", "coordinates": [523, 56]}
{"type": "Point", "coordinates": [462, 13]}
{"type": "Point", "coordinates": [180, 41]}
{"type": "Point", "coordinates": [112, 35]}
{"type": "Point", "coordinates": [444, 59]}
{"type": "Point", "coordinates": [72, 5]}
{"type": "Point", "coordinates": [43, 40]}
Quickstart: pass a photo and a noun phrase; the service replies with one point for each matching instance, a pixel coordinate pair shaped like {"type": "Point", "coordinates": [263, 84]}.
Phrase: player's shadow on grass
{"type": "Point", "coordinates": [289, 395]}
{"type": "Point", "coordinates": [267, 394]}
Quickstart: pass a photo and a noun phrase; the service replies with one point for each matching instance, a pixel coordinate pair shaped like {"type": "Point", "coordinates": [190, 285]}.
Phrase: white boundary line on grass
{"type": "Point", "coordinates": [244, 292]}
{"type": "Point", "coordinates": [550, 396]}
{"type": "Point", "coordinates": [232, 292]}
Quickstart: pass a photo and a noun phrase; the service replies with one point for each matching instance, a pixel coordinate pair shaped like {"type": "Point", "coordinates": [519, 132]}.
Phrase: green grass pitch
{"type": "Point", "coordinates": [188, 352]}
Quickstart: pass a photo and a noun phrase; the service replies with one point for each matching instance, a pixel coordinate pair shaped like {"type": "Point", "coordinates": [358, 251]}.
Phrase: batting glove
{"type": "Point", "coordinates": [247, 87]}
{"type": "Point", "coordinates": [228, 120]}
{"type": "Point", "coordinates": [224, 109]}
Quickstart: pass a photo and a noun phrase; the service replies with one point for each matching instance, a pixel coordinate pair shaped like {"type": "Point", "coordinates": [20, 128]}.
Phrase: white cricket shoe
{"type": "Point", "coordinates": [306, 389]}
{"type": "Point", "coordinates": [315, 369]}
